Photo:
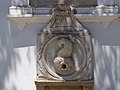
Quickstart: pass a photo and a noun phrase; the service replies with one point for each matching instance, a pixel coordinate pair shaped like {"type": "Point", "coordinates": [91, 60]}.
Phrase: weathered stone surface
{"type": "Point", "coordinates": [85, 85]}
{"type": "Point", "coordinates": [65, 62]}
{"type": "Point", "coordinates": [64, 51]}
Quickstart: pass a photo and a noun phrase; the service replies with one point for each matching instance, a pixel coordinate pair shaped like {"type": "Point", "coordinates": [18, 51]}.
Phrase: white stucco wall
{"type": "Point", "coordinates": [18, 55]}
{"type": "Point", "coordinates": [106, 45]}
{"type": "Point", "coordinates": [17, 62]}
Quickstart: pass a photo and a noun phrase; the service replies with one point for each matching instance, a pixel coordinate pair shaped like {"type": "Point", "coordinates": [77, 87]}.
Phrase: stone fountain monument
{"type": "Point", "coordinates": [65, 56]}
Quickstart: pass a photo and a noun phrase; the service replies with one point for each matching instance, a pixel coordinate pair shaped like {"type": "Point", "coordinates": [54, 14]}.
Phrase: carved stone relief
{"type": "Point", "coordinates": [64, 48]}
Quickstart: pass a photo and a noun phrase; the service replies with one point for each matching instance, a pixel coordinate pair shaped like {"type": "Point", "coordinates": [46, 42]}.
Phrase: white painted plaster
{"type": "Point", "coordinates": [18, 58]}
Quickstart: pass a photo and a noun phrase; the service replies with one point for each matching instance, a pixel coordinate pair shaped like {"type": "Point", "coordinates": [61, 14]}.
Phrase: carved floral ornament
{"type": "Point", "coordinates": [64, 48]}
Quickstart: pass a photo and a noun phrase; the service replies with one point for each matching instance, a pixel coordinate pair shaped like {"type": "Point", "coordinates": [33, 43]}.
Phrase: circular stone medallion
{"type": "Point", "coordinates": [62, 60]}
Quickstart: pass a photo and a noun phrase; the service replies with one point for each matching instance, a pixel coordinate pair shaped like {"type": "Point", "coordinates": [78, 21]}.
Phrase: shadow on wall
{"type": "Point", "coordinates": [106, 46]}
{"type": "Point", "coordinates": [105, 33]}
{"type": "Point", "coordinates": [107, 52]}
{"type": "Point", "coordinates": [26, 37]}
{"type": "Point", "coordinates": [107, 67]}
{"type": "Point", "coordinates": [6, 64]}
{"type": "Point", "coordinates": [12, 61]}
{"type": "Point", "coordinates": [9, 58]}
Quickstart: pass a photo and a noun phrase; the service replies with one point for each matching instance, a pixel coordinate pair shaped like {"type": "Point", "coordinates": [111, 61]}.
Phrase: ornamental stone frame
{"type": "Point", "coordinates": [65, 56]}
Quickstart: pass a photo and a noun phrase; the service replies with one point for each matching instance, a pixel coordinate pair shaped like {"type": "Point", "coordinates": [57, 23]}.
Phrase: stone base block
{"type": "Point", "coordinates": [86, 85]}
